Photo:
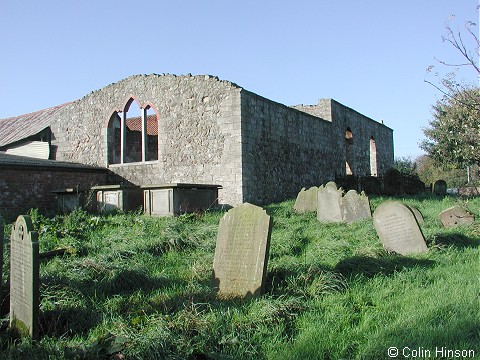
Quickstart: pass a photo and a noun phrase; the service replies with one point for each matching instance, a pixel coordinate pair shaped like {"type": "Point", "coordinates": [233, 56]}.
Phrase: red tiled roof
{"type": "Point", "coordinates": [135, 124]}
{"type": "Point", "coordinates": [20, 127]}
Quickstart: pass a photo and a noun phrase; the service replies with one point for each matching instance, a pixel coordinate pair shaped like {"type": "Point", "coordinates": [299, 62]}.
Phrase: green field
{"type": "Point", "coordinates": [135, 287]}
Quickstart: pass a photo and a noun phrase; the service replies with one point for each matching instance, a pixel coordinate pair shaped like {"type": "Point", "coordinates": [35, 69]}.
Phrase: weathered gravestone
{"type": "Point", "coordinates": [306, 200]}
{"type": "Point", "coordinates": [355, 206]}
{"type": "Point", "coordinates": [418, 215]}
{"type": "Point", "coordinates": [398, 229]}
{"type": "Point", "coordinates": [329, 203]}
{"type": "Point", "coordinates": [439, 188]}
{"type": "Point", "coordinates": [455, 216]}
{"type": "Point", "coordinates": [333, 206]}
{"type": "Point", "coordinates": [24, 278]}
{"type": "Point", "coordinates": [241, 252]}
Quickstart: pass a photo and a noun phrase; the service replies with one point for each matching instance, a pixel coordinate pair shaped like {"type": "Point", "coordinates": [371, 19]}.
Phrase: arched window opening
{"type": "Point", "coordinates": [114, 139]}
{"type": "Point", "coordinates": [151, 151]}
{"type": "Point", "coordinates": [373, 157]}
{"type": "Point", "coordinates": [349, 154]}
{"type": "Point", "coordinates": [132, 135]}
{"type": "Point", "coordinates": [133, 132]}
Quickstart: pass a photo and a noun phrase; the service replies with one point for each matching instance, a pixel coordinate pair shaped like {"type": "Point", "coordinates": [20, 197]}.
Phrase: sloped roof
{"type": "Point", "coordinates": [20, 127]}
{"type": "Point", "coordinates": [7, 160]}
{"type": "Point", "coordinates": [135, 124]}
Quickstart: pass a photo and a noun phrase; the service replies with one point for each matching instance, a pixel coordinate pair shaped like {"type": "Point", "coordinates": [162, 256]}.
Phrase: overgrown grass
{"type": "Point", "coordinates": [140, 287]}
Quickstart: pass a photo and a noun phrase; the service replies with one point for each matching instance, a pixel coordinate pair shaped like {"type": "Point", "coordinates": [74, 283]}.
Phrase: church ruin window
{"type": "Point", "coordinates": [114, 139]}
{"type": "Point", "coordinates": [349, 153]}
{"type": "Point", "coordinates": [132, 135]}
{"type": "Point", "coordinates": [151, 151]}
{"type": "Point", "coordinates": [373, 157]}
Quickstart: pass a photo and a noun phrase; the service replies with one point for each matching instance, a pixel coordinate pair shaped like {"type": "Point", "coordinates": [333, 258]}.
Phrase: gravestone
{"type": "Point", "coordinates": [398, 229]}
{"type": "Point", "coordinates": [306, 200]}
{"type": "Point", "coordinates": [24, 278]}
{"type": "Point", "coordinates": [355, 206]}
{"type": "Point", "coordinates": [439, 188]}
{"type": "Point", "coordinates": [241, 252]}
{"type": "Point", "coordinates": [455, 216]}
{"type": "Point", "coordinates": [329, 203]}
{"type": "Point", "coordinates": [418, 215]}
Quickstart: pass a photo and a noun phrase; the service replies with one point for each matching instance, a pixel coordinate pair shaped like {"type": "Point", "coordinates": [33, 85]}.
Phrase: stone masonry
{"type": "Point", "coordinates": [212, 131]}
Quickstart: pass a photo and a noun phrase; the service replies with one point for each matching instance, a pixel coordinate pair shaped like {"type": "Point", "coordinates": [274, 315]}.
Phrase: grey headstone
{"type": "Point", "coordinates": [418, 215]}
{"type": "Point", "coordinates": [439, 188]}
{"type": "Point", "coordinates": [455, 216]}
{"type": "Point", "coordinates": [356, 207]}
{"type": "Point", "coordinates": [24, 278]}
{"type": "Point", "coordinates": [398, 229]}
{"type": "Point", "coordinates": [329, 203]}
{"type": "Point", "coordinates": [306, 200]}
{"type": "Point", "coordinates": [241, 253]}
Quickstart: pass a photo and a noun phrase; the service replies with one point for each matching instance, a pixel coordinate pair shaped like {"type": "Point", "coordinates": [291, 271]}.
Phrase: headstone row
{"type": "Point", "coordinates": [334, 206]}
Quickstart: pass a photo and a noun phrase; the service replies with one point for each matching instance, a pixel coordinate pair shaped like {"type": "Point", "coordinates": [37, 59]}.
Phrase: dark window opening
{"type": "Point", "coordinates": [349, 153]}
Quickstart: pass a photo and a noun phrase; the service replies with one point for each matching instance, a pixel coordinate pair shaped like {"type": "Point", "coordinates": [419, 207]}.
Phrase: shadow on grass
{"type": "Point", "coordinates": [434, 333]}
{"type": "Point", "coordinates": [369, 266]}
{"type": "Point", "coordinates": [295, 278]}
{"type": "Point", "coordinates": [455, 240]}
{"type": "Point", "coordinates": [129, 281]}
{"type": "Point", "coordinates": [67, 322]}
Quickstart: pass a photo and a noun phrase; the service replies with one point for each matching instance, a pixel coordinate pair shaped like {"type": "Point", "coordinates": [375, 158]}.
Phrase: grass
{"type": "Point", "coordinates": [135, 287]}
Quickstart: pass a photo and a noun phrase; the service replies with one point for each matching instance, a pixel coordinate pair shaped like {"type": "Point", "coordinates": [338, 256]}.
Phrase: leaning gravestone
{"type": "Point", "coordinates": [398, 229]}
{"type": "Point", "coordinates": [24, 278]}
{"type": "Point", "coordinates": [329, 203]}
{"type": "Point", "coordinates": [439, 188]}
{"type": "Point", "coordinates": [241, 253]}
{"type": "Point", "coordinates": [418, 215]}
{"type": "Point", "coordinates": [355, 207]}
{"type": "Point", "coordinates": [455, 216]}
{"type": "Point", "coordinates": [306, 200]}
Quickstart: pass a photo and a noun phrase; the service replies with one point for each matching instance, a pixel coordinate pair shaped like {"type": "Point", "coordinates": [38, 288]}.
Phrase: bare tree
{"type": "Point", "coordinates": [452, 138]}
{"type": "Point", "coordinates": [467, 44]}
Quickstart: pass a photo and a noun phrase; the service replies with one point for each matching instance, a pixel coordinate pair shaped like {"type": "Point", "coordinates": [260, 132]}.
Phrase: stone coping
{"type": "Point", "coordinates": [181, 185]}
{"type": "Point", "coordinates": [69, 191]}
{"type": "Point", "coordinates": [114, 187]}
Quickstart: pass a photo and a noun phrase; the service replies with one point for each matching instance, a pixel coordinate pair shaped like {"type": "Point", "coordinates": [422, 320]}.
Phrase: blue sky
{"type": "Point", "coordinates": [370, 55]}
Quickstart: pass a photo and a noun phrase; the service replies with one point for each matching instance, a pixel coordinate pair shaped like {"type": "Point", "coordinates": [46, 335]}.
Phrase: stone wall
{"type": "Point", "coordinates": [199, 132]}
{"type": "Point", "coordinates": [214, 132]}
{"type": "Point", "coordinates": [283, 150]}
{"type": "Point", "coordinates": [363, 129]}
{"type": "Point", "coordinates": [27, 187]}
{"type": "Point", "coordinates": [287, 148]}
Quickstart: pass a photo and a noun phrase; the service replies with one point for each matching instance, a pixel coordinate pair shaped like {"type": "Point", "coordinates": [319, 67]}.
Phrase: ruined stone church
{"type": "Point", "coordinates": [152, 129]}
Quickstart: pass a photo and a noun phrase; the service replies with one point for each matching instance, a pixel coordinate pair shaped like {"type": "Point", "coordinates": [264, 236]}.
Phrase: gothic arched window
{"type": "Point", "coordinates": [132, 134]}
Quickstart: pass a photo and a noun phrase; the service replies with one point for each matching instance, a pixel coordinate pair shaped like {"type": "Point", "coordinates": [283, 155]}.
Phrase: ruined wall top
{"type": "Point", "coordinates": [167, 77]}
{"type": "Point", "coordinates": [327, 108]}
